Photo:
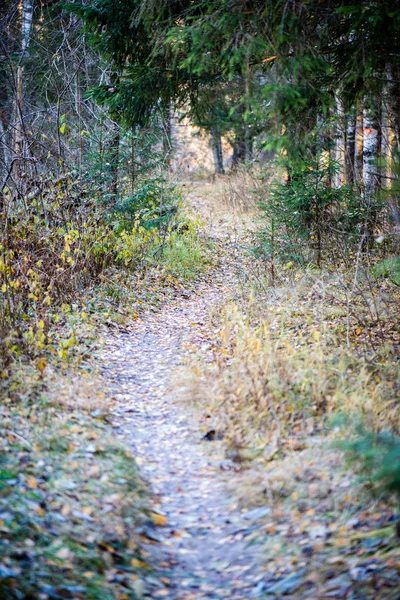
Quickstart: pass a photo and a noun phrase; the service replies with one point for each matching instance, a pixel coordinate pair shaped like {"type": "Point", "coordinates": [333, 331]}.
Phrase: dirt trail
{"type": "Point", "coordinates": [205, 546]}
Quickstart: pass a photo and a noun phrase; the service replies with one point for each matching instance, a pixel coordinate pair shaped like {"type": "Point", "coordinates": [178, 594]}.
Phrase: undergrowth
{"type": "Point", "coordinates": [71, 504]}
{"type": "Point", "coordinates": [290, 357]}
{"type": "Point", "coordinates": [48, 259]}
{"type": "Point", "coordinates": [287, 359]}
{"type": "Point", "coordinates": [71, 500]}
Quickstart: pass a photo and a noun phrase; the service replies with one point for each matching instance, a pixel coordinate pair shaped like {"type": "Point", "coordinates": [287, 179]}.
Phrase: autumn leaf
{"type": "Point", "coordinates": [32, 482]}
{"type": "Point", "coordinates": [159, 520]}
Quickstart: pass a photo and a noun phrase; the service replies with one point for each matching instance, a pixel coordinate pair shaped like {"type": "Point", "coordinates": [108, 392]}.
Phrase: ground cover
{"type": "Point", "coordinates": [222, 389]}
{"type": "Point", "coordinates": [291, 371]}
{"type": "Point", "coordinates": [72, 502]}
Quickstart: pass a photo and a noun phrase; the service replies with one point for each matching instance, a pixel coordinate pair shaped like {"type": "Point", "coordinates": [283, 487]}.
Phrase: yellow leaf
{"type": "Point", "coordinates": [341, 542]}
{"type": "Point", "coordinates": [159, 520]}
{"type": "Point", "coordinates": [135, 562]}
{"type": "Point", "coordinates": [41, 364]}
{"type": "Point", "coordinates": [269, 59]}
{"type": "Point", "coordinates": [32, 482]}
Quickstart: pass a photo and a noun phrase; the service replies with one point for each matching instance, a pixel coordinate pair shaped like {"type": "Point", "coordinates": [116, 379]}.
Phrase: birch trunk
{"type": "Point", "coordinates": [370, 153]}
{"type": "Point", "coordinates": [340, 145]}
{"type": "Point", "coordinates": [4, 146]}
{"type": "Point", "coordinates": [359, 149]}
{"type": "Point", "coordinates": [370, 179]}
{"type": "Point", "coordinates": [386, 141]}
{"type": "Point", "coordinates": [350, 157]}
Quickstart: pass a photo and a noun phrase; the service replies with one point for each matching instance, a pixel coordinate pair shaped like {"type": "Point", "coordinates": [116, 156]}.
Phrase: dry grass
{"type": "Point", "coordinates": [241, 190]}
{"type": "Point", "coordinates": [286, 361]}
{"type": "Point", "coordinates": [229, 203]}
{"type": "Point", "coordinates": [76, 390]}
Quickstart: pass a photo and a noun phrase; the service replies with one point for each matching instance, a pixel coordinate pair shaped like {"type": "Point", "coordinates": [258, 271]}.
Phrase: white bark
{"type": "Point", "coordinates": [370, 154]}
{"type": "Point", "coordinates": [358, 163]}
{"type": "Point", "coordinates": [26, 25]}
{"type": "Point", "coordinates": [351, 148]}
{"type": "Point", "coordinates": [340, 146]}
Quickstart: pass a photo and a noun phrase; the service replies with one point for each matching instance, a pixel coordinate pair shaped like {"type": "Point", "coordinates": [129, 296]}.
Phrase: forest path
{"type": "Point", "coordinates": [203, 547]}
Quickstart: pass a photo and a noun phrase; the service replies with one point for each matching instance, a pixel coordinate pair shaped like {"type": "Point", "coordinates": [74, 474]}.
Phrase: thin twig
{"type": "Point", "coordinates": [19, 437]}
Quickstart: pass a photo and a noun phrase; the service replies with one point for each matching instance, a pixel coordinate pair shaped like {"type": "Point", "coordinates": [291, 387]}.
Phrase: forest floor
{"type": "Point", "coordinates": [130, 489]}
{"type": "Point", "coordinates": [217, 533]}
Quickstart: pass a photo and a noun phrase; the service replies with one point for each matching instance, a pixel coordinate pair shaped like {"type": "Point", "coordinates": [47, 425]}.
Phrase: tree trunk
{"type": "Point", "coordinates": [216, 145]}
{"type": "Point", "coordinates": [359, 150]}
{"type": "Point", "coordinates": [350, 160]}
{"type": "Point", "coordinates": [113, 146]}
{"type": "Point", "coordinates": [394, 108]}
{"type": "Point", "coordinates": [386, 140]}
{"type": "Point", "coordinates": [114, 162]}
{"type": "Point", "coordinates": [239, 150]}
{"type": "Point", "coordinates": [26, 9]}
{"type": "Point", "coordinates": [370, 152]}
{"type": "Point", "coordinates": [4, 145]}
{"type": "Point", "coordinates": [370, 179]}
{"type": "Point", "coordinates": [240, 145]}
{"type": "Point", "coordinates": [340, 146]}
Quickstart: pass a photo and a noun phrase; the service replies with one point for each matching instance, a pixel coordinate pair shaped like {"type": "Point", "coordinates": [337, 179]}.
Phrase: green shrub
{"type": "Point", "coordinates": [184, 255]}
{"type": "Point", "coordinates": [304, 217]}
{"type": "Point", "coordinates": [389, 268]}
{"type": "Point", "coordinates": [153, 205]}
{"type": "Point", "coordinates": [377, 454]}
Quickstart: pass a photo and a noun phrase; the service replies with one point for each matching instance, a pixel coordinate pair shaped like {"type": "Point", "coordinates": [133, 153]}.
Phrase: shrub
{"type": "Point", "coordinates": [153, 204]}
{"type": "Point", "coordinates": [389, 268]}
{"type": "Point", "coordinates": [378, 456]}
{"type": "Point", "coordinates": [49, 253]}
{"type": "Point", "coordinates": [304, 218]}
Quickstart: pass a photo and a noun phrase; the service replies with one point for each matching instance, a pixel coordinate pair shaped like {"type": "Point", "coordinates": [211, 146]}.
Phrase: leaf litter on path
{"type": "Point", "coordinates": [196, 529]}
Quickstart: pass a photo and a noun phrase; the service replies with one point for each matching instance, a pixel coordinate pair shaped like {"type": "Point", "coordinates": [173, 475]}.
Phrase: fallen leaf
{"type": "Point", "coordinates": [32, 482]}
{"type": "Point", "coordinates": [159, 520]}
